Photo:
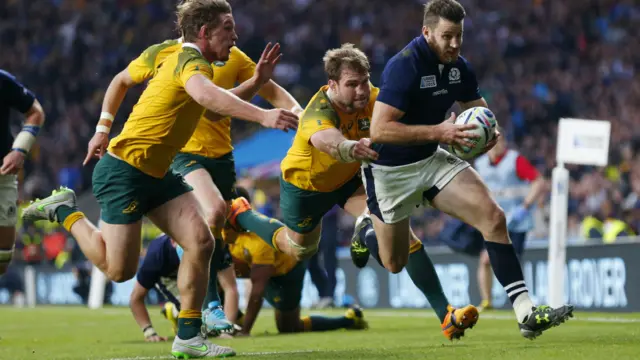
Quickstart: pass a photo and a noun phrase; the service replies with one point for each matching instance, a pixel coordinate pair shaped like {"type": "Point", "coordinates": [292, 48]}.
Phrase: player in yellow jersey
{"type": "Point", "coordinates": [321, 170]}
{"type": "Point", "coordinates": [279, 278]}
{"type": "Point", "coordinates": [206, 162]}
{"type": "Point", "coordinates": [133, 180]}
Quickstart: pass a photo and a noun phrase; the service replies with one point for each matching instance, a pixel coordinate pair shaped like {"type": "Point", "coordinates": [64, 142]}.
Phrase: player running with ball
{"type": "Point", "coordinates": [418, 86]}
{"type": "Point", "coordinates": [321, 170]}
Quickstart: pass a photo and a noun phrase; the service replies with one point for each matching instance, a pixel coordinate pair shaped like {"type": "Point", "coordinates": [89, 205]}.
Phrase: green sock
{"type": "Point", "coordinates": [264, 226]}
{"type": "Point", "coordinates": [63, 211]}
{"type": "Point", "coordinates": [424, 276]}
{"type": "Point", "coordinates": [323, 323]}
{"type": "Point", "coordinates": [189, 327]}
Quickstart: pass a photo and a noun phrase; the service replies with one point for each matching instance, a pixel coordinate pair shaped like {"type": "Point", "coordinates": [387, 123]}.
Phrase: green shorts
{"type": "Point", "coordinates": [303, 209]}
{"type": "Point", "coordinates": [284, 292]}
{"type": "Point", "coordinates": [222, 170]}
{"type": "Point", "coordinates": [125, 194]}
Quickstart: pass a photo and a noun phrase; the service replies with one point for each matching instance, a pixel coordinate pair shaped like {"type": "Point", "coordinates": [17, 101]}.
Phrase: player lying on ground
{"type": "Point", "coordinates": [322, 169]}
{"type": "Point", "coordinates": [13, 95]}
{"type": "Point", "coordinates": [418, 86]}
{"type": "Point", "coordinates": [206, 161]}
{"type": "Point", "coordinates": [278, 278]}
{"type": "Point", "coordinates": [133, 179]}
{"type": "Point", "coordinates": [159, 270]}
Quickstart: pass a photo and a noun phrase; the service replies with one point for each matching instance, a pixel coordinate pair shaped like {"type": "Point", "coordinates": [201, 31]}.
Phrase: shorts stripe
{"type": "Point", "coordinates": [370, 187]}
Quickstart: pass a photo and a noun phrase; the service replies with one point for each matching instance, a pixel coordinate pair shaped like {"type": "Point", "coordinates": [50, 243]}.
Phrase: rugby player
{"type": "Point", "coordinates": [206, 161]}
{"type": "Point", "coordinates": [418, 86]}
{"type": "Point", "coordinates": [14, 95]}
{"type": "Point", "coordinates": [133, 179]}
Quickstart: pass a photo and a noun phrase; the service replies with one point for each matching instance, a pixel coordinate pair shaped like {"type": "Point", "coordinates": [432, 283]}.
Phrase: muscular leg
{"type": "Point", "coordinates": [182, 219]}
{"type": "Point", "coordinates": [209, 197]}
{"type": "Point", "coordinates": [467, 198]}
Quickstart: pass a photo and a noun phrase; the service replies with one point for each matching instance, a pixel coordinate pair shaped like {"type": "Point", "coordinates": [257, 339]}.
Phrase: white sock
{"type": "Point", "coordinates": [522, 306]}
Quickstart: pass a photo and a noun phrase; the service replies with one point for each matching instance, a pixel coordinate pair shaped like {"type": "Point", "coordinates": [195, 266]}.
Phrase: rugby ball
{"type": "Point", "coordinates": [486, 124]}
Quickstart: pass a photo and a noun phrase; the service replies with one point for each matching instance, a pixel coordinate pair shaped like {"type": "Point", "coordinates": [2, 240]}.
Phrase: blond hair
{"type": "Point", "coordinates": [193, 14]}
{"type": "Point", "coordinates": [345, 56]}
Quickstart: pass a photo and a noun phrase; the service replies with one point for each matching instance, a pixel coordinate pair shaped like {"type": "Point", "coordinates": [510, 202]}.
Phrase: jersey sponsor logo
{"type": "Point", "coordinates": [190, 163]}
{"type": "Point", "coordinates": [428, 81]}
{"type": "Point", "coordinates": [393, 209]}
{"type": "Point", "coordinates": [440, 92]}
{"type": "Point", "coordinates": [454, 76]}
{"type": "Point", "coordinates": [133, 207]}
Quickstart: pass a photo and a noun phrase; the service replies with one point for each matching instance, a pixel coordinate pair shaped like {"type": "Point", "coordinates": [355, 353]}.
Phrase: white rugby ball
{"type": "Point", "coordinates": [486, 124]}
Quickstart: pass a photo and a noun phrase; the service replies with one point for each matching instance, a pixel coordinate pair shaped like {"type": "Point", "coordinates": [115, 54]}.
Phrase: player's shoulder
{"type": "Point", "coordinates": [237, 54]}
{"type": "Point", "coordinates": [6, 75]}
{"type": "Point", "coordinates": [190, 55]}
{"type": "Point", "coordinates": [252, 242]}
{"type": "Point", "coordinates": [463, 64]}
{"type": "Point", "coordinates": [320, 107]}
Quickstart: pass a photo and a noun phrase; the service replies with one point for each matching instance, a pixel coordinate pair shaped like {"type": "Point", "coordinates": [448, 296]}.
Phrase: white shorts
{"type": "Point", "coordinates": [8, 200]}
{"type": "Point", "coordinates": [394, 191]}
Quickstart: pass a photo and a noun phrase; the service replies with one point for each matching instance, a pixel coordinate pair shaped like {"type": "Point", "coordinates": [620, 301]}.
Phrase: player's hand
{"type": "Point", "coordinates": [362, 151]}
{"type": "Point", "coordinates": [455, 134]}
{"type": "Point", "coordinates": [267, 63]}
{"type": "Point", "coordinates": [97, 147]}
{"type": "Point", "coordinates": [12, 162]}
{"type": "Point", "coordinates": [155, 338]}
{"type": "Point", "coordinates": [280, 119]}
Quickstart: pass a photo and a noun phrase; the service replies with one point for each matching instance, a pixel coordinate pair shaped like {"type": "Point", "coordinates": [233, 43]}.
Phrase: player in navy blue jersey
{"type": "Point", "coordinates": [159, 270]}
{"type": "Point", "coordinates": [13, 95]}
{"type": "Point", "coordinates": [418, 86]}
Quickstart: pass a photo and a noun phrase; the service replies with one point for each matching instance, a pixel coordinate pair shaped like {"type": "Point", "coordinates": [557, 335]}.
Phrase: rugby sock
{"type": "Point", "coordinates": [323, 323]}
{"type": "Point", "coordinates": [504, 262]}
{"type": "Point", "coordinates": [371, 241]}
{"type": "Point", "coordinates": [212, 288]}
{"type": "Point", "coordinates": [424, 276]}
{"type": "Point", "coordinates": [67, 216]}
{"type": "Point", "coordinates": [189, 323]}
{"type": "Point", "coordinates": [264, 226]}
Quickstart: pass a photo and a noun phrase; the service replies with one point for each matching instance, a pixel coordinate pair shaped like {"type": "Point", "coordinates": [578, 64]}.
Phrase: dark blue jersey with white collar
{"type": "Point", "coordinates": [13, 95]}
{"type": "Point", "coordinates": [416, 82]}
{"type": "Point", "coordinates": [159, 268]}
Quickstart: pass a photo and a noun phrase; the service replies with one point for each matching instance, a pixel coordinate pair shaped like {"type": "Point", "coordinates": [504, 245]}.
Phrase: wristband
{"type": "Point", "coordinates": [104, 125]}
{"type": "Point", "coordinates": [345, 149]}
{"type": "Point", "coordinates": [26, 138]}
{"type": "Point", "coordinates": [103, 129]}
{"type": "Point", "coordinates": [149, 331]}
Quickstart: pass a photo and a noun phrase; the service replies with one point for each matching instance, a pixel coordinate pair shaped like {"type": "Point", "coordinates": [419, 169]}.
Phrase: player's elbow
{"type": "Point", "coordinates": [35, 115]}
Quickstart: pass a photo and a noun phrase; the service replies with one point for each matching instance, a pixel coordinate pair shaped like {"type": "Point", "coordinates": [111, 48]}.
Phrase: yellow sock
{"type": "Point", "coordinates": [72, 219]}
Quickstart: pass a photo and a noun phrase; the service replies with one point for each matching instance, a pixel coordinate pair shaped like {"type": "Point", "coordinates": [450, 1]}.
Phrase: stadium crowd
{"type": "Point", "coordinates": [536, 61]}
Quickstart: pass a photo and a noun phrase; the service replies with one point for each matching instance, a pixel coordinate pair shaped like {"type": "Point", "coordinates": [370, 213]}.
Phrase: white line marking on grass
{"type": "Point", "coordinates": [261, 353]}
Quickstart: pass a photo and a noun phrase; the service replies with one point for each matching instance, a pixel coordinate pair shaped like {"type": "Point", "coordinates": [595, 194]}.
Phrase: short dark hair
{"type": "Point", "coordinates": [447, 9]}
{"type": "Point", "coordinates": [193, 14]}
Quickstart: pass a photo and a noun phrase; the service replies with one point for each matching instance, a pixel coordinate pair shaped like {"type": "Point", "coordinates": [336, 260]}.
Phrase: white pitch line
{"type": "Point", "coordinates": [262, 353]}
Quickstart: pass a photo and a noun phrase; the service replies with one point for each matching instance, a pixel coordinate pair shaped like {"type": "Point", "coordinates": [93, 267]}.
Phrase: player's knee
{"type": "Point", "coordinates": [304, 248]}
{"type": "Point", "coordinates": [216, 215]}
{"type": "Point", "coordinates": [121, 274]}
{"type": "Point", "coordinates": [495, 223]}
{"type": "Point", "coordinates": [394, 264]}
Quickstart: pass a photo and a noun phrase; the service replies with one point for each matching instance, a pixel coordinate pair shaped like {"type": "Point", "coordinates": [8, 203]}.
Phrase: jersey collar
{"type": "Point", "coordinates": [193, 46]}
{"type": "Point", "coordinates": [425, 51]}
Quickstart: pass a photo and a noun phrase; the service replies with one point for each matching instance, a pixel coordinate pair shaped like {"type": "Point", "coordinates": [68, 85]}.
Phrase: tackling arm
{"type": "Point", "coordinates": [260, 275]}
{"type": "Point", "coordinates": [332, 142]}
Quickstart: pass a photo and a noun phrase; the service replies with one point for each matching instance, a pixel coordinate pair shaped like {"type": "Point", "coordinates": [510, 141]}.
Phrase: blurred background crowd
{"type": "Point", "coordinates": [536, 61]}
